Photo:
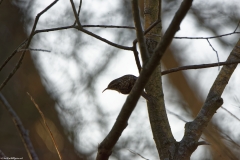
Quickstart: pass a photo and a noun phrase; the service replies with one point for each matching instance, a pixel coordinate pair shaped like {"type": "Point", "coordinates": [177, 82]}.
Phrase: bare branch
{"type": "Point", "coordinates": [135, 45]}
{"type": "Point", "coordinates": [105, 40]}
{"type": "Point", "coordinates": [213, 37]}
{"type": "Point", "coordinates": [135, 153]}
{"type": "Point", "coordinates": [21, 130]}
{"type": "Point", "coordinates": [200, 66]}
{"type": "Point", "coordinates": [194, 129]}
{"type": "Point", "coordinates": [214, 51]}
{"type": "Point", "coordinates": [137, 60]}
{"type": "Point", "coordinates": [139, 32]}
{"type": "Point", "coordinates": [105, 147]}
{"type": "Point", "coordinates": [202, 143]}
{"type": "Point", "coordinates": [75, 14]}
{"type": "Point", "coordinates": [176, 115]}
{"type": "Point", "coordinates": [236, 27]}
{"type": "Point", "coordinates": [13, 53]}
{"type": "Point", "coordinates": [27, 45]}
{"type": "Point", "coordinates": [46, 125]}
{"type": "Point", "coordinates": [32, 49]}
{"type": "Point", "coordinates": [54, 29]}
{"type": "Point", "coordinates": [230, 113]}
{"type": "Point", "coordinates": [79, 9]}
{"type": "Point", "coordinates": [108, 26]}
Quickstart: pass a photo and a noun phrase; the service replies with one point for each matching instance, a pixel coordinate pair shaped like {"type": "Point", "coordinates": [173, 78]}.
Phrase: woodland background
{"type": "Point", "coordinates": [67, 82]}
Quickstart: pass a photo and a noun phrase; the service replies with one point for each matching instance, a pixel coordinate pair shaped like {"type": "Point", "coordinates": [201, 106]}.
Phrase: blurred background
{"type": "Point", "coordinates": [67, 83]}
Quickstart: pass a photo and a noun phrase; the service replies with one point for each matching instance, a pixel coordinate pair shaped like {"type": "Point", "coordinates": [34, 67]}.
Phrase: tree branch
{"type": "Point", "coordinates": [194, 129]}
{"type": "Point", "coordinates": [75, 14]}
{"type": "Point", "coordinates": [26, 46]}
{"type": "Point", "coordinates": [79, 9]}
{"type": "Point", "coordinates": [105, 147]}
{"type": "Point", "coordinates": [22, 131]}
{"type": "Point", "coordinates": [200, 66]}
{"type": "Point", "coordinates": [139, 32]}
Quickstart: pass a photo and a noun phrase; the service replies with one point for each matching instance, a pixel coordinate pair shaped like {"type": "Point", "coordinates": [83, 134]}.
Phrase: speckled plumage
{"type": "Point", "coordinates": [122, 84]}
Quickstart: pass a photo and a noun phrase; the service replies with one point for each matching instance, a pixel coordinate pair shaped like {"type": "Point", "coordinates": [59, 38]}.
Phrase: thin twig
{"type": "Point", "coordinates": [105, 40]}
{"type": "Point", "coordinates": [135, 153]}
{"type": "Point", "coordinates": [46, 125]}
{"type": "Point", "coordinates": [135, 45]}
{"type": "Point", "coordinates": [13, 53]}
{"type": "Point", "coordinates": [33, 49]}
{"type": "Point", "coordinates": [75, 14]}
{"type": "Point", "coordinates": [227, 137]}
{"type": "Point", "coordinates": [21, 130]}
{"type": "Point", "coordinates": [27, 45]}
{"type": "Point", "coordinates": [236, 27]}
{"type": "Point", "coordinates": [214, 51]}
{"type": "Point", "coordinates": [54, 29]}
{"type": "Point", "coordinates": [176, 115]}
{"type": "Point", "coordinates": [230, 113]}
{"type": "Point", "coordinates": [151, 27]}
{"type": "Point", "coordinates": [200, 66]}
{"type": "Point", "coordinates": [108, 26]}
{"type": "Point", "coordinates": [139, 32]}
{"type": "Point", "coordinates": [212, 37]}
{"type": "Point", "coordinates": [79, 9]}
{"type": "Point", "coordinates": [137, 60]}
{"type": "Point", "coordinates": [87, 32]}
{"type": "Point", "coordinates": [202, 143]}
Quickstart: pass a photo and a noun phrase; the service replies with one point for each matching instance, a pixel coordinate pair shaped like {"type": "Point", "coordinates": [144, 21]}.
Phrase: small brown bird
{"type": "Point", "coordinates": [124, 85]}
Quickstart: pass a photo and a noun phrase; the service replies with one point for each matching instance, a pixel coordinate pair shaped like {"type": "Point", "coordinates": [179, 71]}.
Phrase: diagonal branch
{"type": "Point", "coordinates": [139, 32]}
{"type": "Point", "coordinates": [194, 129]}
{"type": "Point", "coordinates": [105, 147]}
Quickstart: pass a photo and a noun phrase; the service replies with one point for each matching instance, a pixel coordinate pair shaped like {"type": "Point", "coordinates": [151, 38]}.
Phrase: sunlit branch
{"type": "Point", "coordinates": [200, 66]}
{"type": "Point", "coordinates": [22, 131]}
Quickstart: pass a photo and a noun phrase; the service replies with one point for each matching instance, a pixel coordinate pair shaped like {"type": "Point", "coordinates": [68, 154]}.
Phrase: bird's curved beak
{"type": "Point", "coordinates": [104, 90]}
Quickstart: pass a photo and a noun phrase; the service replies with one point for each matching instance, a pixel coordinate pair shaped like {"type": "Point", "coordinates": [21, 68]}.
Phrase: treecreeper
{"type": "Point", "coordinates": [124, 85]}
